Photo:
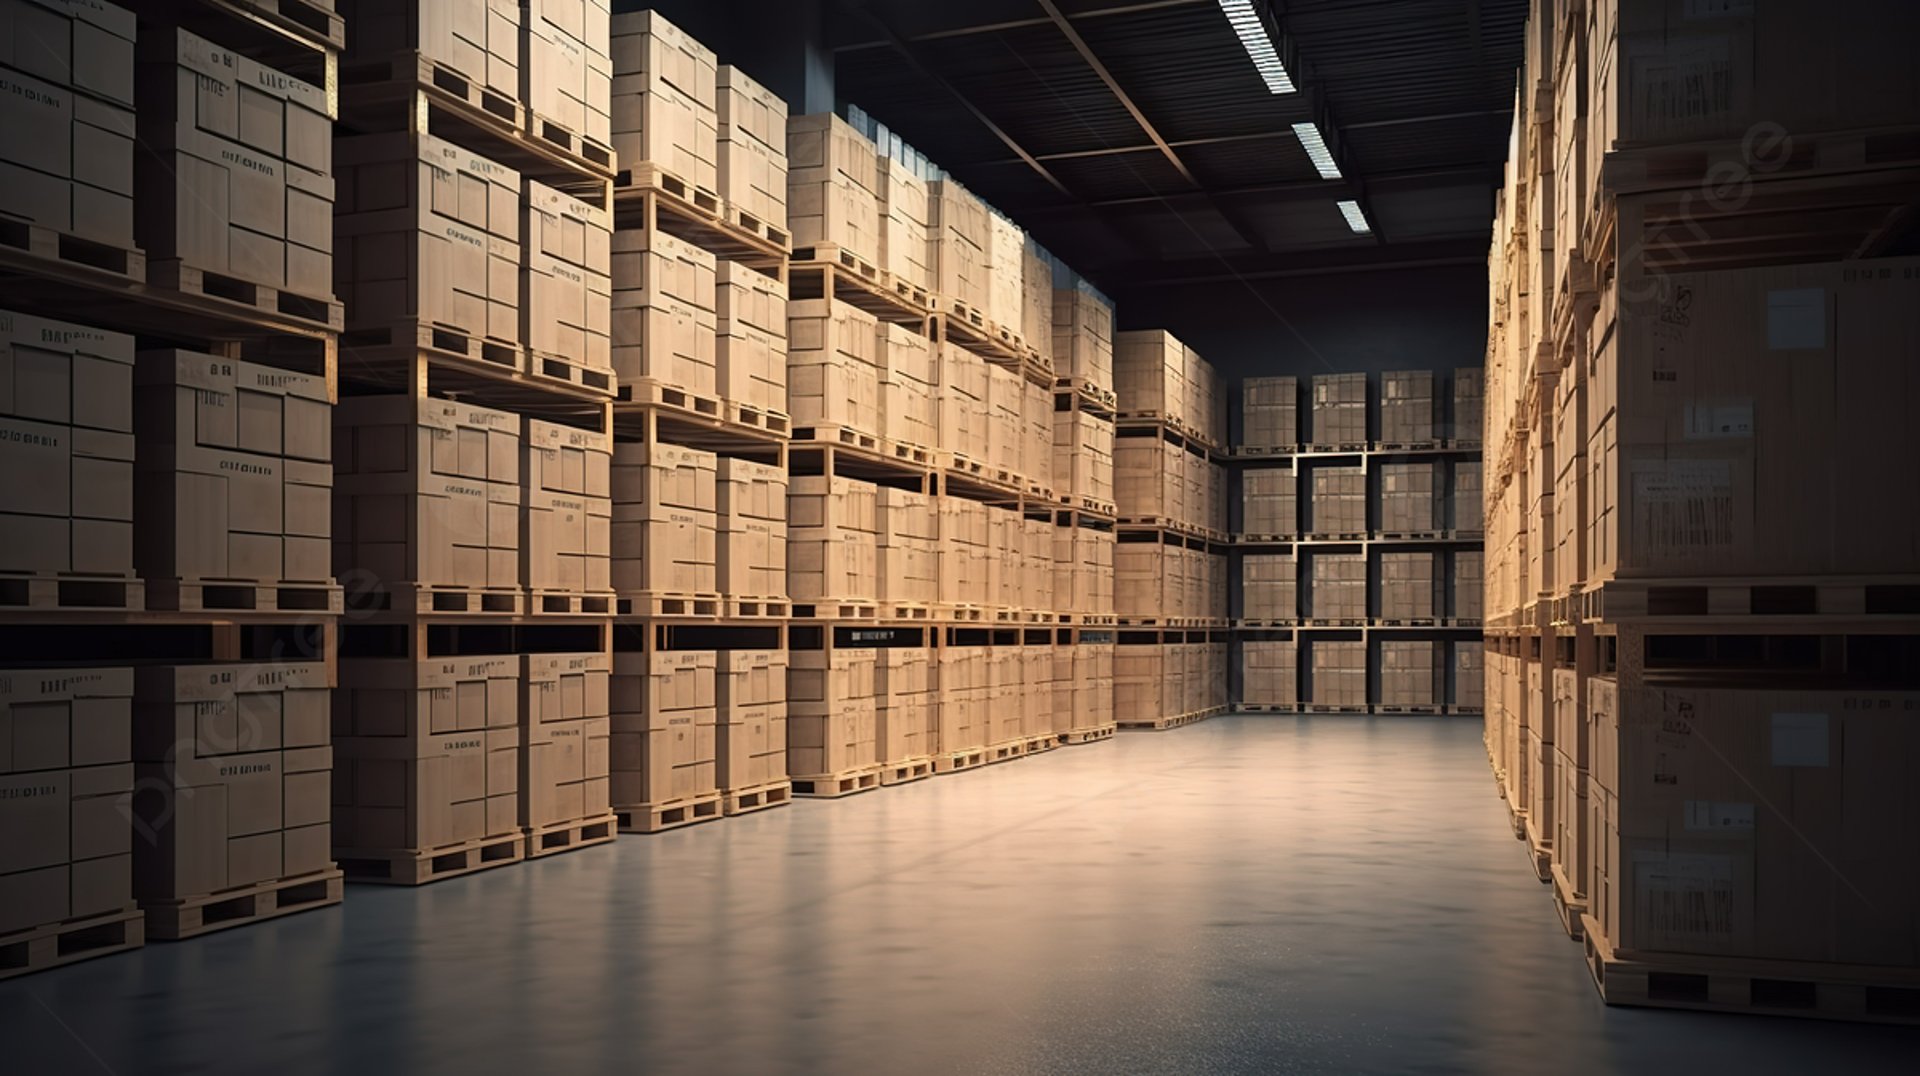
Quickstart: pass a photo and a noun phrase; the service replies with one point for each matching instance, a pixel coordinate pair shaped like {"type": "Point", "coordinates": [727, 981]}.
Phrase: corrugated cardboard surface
{"type": "Point", "coordinates": [663, 722]}
{"type": "Point", "coordinates": [564, 737]}
{"type": "Point", "coordinates": [480, 39]}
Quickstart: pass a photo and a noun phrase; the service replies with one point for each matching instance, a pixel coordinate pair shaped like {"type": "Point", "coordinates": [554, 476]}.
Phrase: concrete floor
{"type": "Point", "coordinates": [1247, 895]}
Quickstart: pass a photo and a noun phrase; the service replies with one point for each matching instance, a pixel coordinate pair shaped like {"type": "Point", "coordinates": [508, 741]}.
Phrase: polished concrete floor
{"type": "Point", "coordinates": [1247, 895]}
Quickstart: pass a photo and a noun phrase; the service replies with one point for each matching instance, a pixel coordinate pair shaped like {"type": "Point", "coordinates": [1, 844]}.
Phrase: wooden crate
{"type": "Point", "coordinates": [566, 304]}
{"type": "Point", "coordinates": [664, 520]}
{"type": "Point", "coordinates": [72, 83]}
{"type": "Point", "coordinates": [664, 323]}
{"type": "Point", "coordinates": [751, 556]}
{"type": "Point", "coordinates": [664, 99]}
{"type": "Point", "coordinates": [564, 739]}
{"type": "Point", "coordinates": [750, 732]}
{"type": "Point", "coordinates": [566, 540]}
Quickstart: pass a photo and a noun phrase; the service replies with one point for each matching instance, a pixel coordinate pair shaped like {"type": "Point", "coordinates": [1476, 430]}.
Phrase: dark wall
{"type": "Point", "coordinates": [780, 45]}
{"type": "Point", "coordinates": [1409, 319]}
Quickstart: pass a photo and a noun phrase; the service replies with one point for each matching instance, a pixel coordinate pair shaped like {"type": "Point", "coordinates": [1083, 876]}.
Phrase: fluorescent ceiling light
{"type": "Point", "coordinates": [1356, 220]}
{"type": "Point", "coordinates": [1253, 37]}
{"type": "Point", "coordinates": [1317, 151]}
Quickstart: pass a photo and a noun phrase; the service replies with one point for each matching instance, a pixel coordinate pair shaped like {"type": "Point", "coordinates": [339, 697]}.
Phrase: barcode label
{"type": "Point", "coordinates": [1680, 81]}
{"type": "Point", "coordinates": [1684, 898]}
{"type": "Point", "coordinates": [1685, 508]}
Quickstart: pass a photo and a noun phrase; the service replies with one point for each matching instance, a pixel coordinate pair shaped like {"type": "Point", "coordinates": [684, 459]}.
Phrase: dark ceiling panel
{"type": "Point", "coordinates": [1187, 71]}
{"type": "Point", "coordinates": [1428, 144]}
{"type": "Point", "coordinates": [1430, 213]}
{"type": "Point", "coordinates": [1301, 223]}
{"type": "Point", "coordinates": [1225, 165]}
{"type": "Point", "coordinates": [1032, 82]}
{"type": "Point", "coordinates": [1185, 231]}
{"type": "Point", "coordinates": [1120, 175]}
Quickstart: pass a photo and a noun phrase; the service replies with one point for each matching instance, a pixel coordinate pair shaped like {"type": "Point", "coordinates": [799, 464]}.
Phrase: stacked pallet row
{"type": "Point", "coordinates": [167, 467]}
{"type": "Point", "coordinates": [1358, 575]}
{"type": "Point", "coordinates": [699, 701]}
{"type": "Point", "coordinates": [1700, 613]}
{"type": "Point", "coordinates": [929, 553]}
{"type": "Point", "coordinates": [1170, 564]}
{"type": "Point", "coordinates": [474, 455]}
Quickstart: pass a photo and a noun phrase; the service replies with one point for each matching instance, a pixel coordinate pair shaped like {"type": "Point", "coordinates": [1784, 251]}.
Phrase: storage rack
{"type": "Point", "coordinates": [1445, 628]}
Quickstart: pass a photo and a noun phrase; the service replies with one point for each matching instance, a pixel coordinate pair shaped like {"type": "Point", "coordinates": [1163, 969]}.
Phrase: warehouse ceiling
{"type": "Point", "coordinates": [1138, 141]}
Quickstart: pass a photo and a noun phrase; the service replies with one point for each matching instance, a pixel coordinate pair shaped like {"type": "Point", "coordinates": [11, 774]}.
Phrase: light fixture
{"type": "Point", "coordinates": [1253, 37]}
{"type": "Point", "coordinates": [1317, 150]}
{"type": "Point", "coordinates": [1356, 220]}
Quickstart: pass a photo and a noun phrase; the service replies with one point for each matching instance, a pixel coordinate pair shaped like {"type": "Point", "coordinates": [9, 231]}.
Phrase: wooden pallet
{"type": "Point", "coordinates": [1086, 393]}
{"type": "Point", "coordinates": [326, 313]}
{"type": "Point", "coordinates": [1407, 446]}
{"type": "Point", "coordinates": [956, 761]}
{"type": "Point", "coordinates": [647, 176]}
{"type": "Point", "coordinates": [559, 837]}
{"type": "Point", "coordinates": [437, 599]}
{"type": "Point", "coordinates": [314, 18]}
{"type": "Point", "coordinates": [739, 218]}
{"type": "Point", "coordinates": [1038, 744]}
{"type": "Point", "coordinates": [39, 948]}
{"type": "Point", "coordinates": [1006, 752]}
{"type": "Point", "coordinates": [757, 798]}
{"type": "Point", "coordinates": [243, 596]}
{"type": "Point", "coordinates": [542, 365]}
{"type": "Point", "coordinates": [766, 419]}
{"type": "Point", "coordinates": [840, 257]}
{"type": "Point", "coordinates": [957, 613]}
{"type": "Point", "coordinates": [594, 152]}
{"type": "Point", "coordinates": [1335, 622]}
{"type": "Point", "coordinates": [1351, 446]}
{"type": "Point", "coordinates": [1569, 905]}
{"type": "Point", "coordinates": [1757, 987]}
{"type": "Point", "coordinates": [1094, 735]}
{"type": "Point", "coordinates": [406, 335]}
{"type": "Point", "coordinates": [962, 464]}
{"type": "Point", "coordinates": [906, 771]}
{"type": "Point", "coordinates": [1539, 849]}
{"type": "Point", "coordinates": [1327, 708]}
{"type": "Point", "coordinates": [843, 436]}
{"type": "Point", "coordinates": [657, 603]}
{"type": "Point", "coordinates": [1092, 505]}
{"type": "Point", "coordinates": [125, 265]}
{"type": "Point", "coordinates": [908, 452]}
{"type": "Point", "coordinates": [177, 919]}
{"type": "Point", "coordinates": [67, 593]}
{"type": "Point", "coordinates": [1431, 710]}
{"type": "Point", "coordinates": [1265, 450]}
{"type": "Point", "coordinates": [1266, 708]}
{"type": "Point", "coordinates": [660, 817]}
{"type": "Point", "coordinates": [568, 603]}
{"type": "Point", "coordinates": [754, 608]}
{"type": "Point", "coordinates": [834, 785]}
{"type": "Point", "coordinates": [1744, 600]}
{"type": "Point", "coordinates": [419, 866]}
{"type": "Point", "coordinates": [649, 392]}
{"type": "Point", "coordinates": [913, 612]}
{"type": "Point", "coordinates": [417, 69]}
{"type": "Point", "coordinates": [835, 609]}
{"type": "Point", "coordinates": [1279, 624]}
{"type": "Point", "coordinates": [1160, 724]}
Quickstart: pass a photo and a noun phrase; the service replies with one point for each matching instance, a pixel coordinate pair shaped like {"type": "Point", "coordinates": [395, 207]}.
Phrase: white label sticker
{"type": "Point", "coordinates": [1797, 319]}
{"type": "Point", "coordinates": [1677, 81]}
{"type": "Point", "coordinates": [1684, 895]}
{"type": "Point", "coordinates": [1683, 507]}
{"type": "Point", "coordinates": [1708, 816]}
{"type": "Point", "coordinates": [1800, 740]}
{"type": "Point", "coordinates": [1708, 422]}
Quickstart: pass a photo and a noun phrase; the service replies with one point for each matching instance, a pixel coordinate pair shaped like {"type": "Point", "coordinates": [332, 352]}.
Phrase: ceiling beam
{"type": "Point", "coordinates": [1256, 136]}
{"type": "Point", "coordinates": [1020, 24]}
{"type": "Point", "coordinates": [1332, 189]}
{"type": "Point", "coordinates": [1247, 233]}
{"type": "Point", "coordinates": [912, 55]}
{"type": "Point", "coordinates": [1357, 256]}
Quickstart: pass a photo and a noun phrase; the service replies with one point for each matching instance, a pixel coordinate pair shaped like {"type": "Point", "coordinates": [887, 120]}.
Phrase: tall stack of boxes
{"type": "Point", "coordinates": [665, 523]}
{"type": "Point", "coordinates": [1648, 462]}
{"type": "Point", "coordinates": [1270, 413]}
{"type": "Point", "coordinates": [665, 97]}
{"type": "Point", "coordinates": [832, 170]}
{"type": "Point", "coordinates": [663, 725]}
{"type": "Point", "coordinates": [665, 322]}
{"type": "Point", "coordinates": [751, 150]}
{"type": "Point", "coordinates": [1339, 418]}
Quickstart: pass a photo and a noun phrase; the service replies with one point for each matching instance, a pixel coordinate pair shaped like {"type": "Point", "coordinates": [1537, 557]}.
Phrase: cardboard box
{"type": "Point", "coordinates": [566, 539]}
{"type": "Point", "coordinates": [235, 479]}
{"type": "Point", "coordinates": [568, 67]}
{"type": "Point", "coordinates": [1469, 676]}
{"type": "Point", "coordinates": [564, 745]}
{"type": "Point", "coordinates": [1268, 587]}
{"type": "Point", "coordinates": [751, 521]}
{"type": "Point", "coordinates": [832, 171]}
{"type": "Point", "coordinates": [832, 539]}
{"type": "Point", "coordinates": [428, 232]}
{"type": "Point", "coordinates": [1339, 586]}
{"type": "Point", "coordinates": [665, 96]}
{"type": "Point", "coordinates": [908, 543]}
{"type": "Point", "coordinates": [1469, 581]}
{"type": "Point", "coordinates": [1339, 409]}
{"type": "Point", "coordinates": [1082, 455]}
{"type": "Point", "coordinates": [237, 179]}
{"type": "Point", "coordinates": [907, 386]}
{"type": "Point", "coordinates": [664, 321]}
{"type": "Point", "coordinates": [906, 696]}
{"type": "Point", "coordinates": [1269, 504]}
{"type": "Point", "coordinates": [1083, 567]}
{"type": "Point", "coordinates": [1269, 673]}
{"type": "Point", "coordinates": [1339, 504]}
{"type": "Point", "coordinates": [960, 235]}
{"type": "Point", "coordinates": [1083, 335]}
{"type": "Point", "coordinates": [234, 765]}
{"type": "Point", "coordinates": [752, 147]}
{"type": "Point", "coordinates": [832, 711]}
{"type": "Point", "coordinates": [66, 450]}
{"type": "Point", "coordinates": [1036, 306]}
{"type": "Point", "coordinates": [66, 94]}
{"type": "Point", "coordinates": [1006, 440]}
{"type": "Point", "coordinates": [1469, 392]}
{"type": "Point", "coordinates": [567, 278]}
{"type": "Point", "coordinates": [750, 347]}
{"type": "Point", "coordinates": [963, 696]}
{"type": "Point", "coordinates": [1140, 682]}
{"type": "Point", "coordinates": [427, 491]}
{"type": "Point", "coordinates": [1339, 674]}
{"type": "Point", "coordinates": [1410, 673]}
{"type": "Point", "coordinates": [665, 517]}
{"type": "Point", "coordinates": [834, 366]}
{"type": "Point", "coordinates": [750, 734]}
{"type": "Point", "coordinates": [904, 213]}
{"type": "Point", "coordinates": [1406, 407]}
{"type": "Point", "coordinates": [1149, 369]}
{"type": "Point", "coordinates": [429, 751]}
{"type": "Point", "coordinates": [1270, 412]}
{"type": "Point", "coordinates": [663, 727]}
{"type": "Point", "coordinates": [480, 40]}
{"type": "Point", "coordinates": [1006, 266]}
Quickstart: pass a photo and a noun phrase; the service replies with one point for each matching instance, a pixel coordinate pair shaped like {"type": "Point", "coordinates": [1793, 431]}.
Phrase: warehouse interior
{"type": "Point", "coordinates": [1017, 536]}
